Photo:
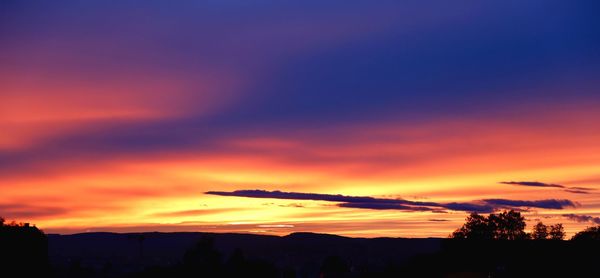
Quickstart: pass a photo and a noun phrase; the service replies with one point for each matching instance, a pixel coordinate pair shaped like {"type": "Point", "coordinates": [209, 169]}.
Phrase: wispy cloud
{"type": "Point", "coordinates": [193, 212]}
{"type": "Point", "coordinates": [385, 206]}
{"type": "Point", "coordinates": [574, 189]}
{"type": "Point", "coordinates": [469, 207]}
{"type": "Point", "coordinates": [366, 202]}
{"type": "Point", "coordinates": [577, 191]}
{"type": "Point", "coordinates": [533, 183]}
{"type": "Point", "coordinates": [582, 188]}
{"type": "Point", "coordinates": [276, 194]}
{"type": "Point", "coordinates": [346, 201]}
{"type": "Point", "coordinates": [582, 218]}
{"type": "Point", "coordinates": [23, 212]}
{"type": "Point", "coordinates": [546, 204]}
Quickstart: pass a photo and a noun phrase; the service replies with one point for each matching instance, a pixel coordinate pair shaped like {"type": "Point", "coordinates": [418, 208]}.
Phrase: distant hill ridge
{"type": "Point", "coordinates": [139, 250]}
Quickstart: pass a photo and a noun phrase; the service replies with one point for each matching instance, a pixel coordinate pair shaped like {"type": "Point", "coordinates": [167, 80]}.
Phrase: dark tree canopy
{"type": "Point", "coordinates": [591, 233]}
{"type": "Point", "coordinates": [554, 232]}
{"type": "Point", "coordinates": [540, 231]}
{"type": "Point", "coordinates": [508, 225]}
{"type": "Point", "coordinates": [557, 232]}
{"type": "Point", "coordinates": [476, 227]}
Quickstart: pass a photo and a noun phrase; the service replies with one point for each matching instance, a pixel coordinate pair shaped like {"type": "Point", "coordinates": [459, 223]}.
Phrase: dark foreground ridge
{"type": "Point", "coordinates": [314, 255]}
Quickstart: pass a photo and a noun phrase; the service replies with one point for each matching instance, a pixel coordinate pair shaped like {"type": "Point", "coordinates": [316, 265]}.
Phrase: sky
{"type": "Point", "coordinates": [357, 118]}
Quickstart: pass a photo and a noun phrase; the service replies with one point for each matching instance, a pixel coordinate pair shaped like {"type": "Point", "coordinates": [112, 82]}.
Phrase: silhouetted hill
{"type": "Point", "coordinates": [117, 254]}
{"type": "Point", "coordinates": [314, 255]}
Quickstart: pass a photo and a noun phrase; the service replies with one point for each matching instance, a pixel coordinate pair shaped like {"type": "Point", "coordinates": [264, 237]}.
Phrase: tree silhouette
{"type": "Point", "coordinates": [557, 232]}
{"type": "Point", "coordinates": [540, 231]}
{"type": "Point", "coordinates": [590, 233]}
{"type": "Point", "coordinates": [476, 227]}
{"type": "Point", "coordinates": [508, 225]}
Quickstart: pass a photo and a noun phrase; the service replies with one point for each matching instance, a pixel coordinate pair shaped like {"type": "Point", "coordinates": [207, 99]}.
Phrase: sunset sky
{"type": "Point", "coordinates": [358, 118]}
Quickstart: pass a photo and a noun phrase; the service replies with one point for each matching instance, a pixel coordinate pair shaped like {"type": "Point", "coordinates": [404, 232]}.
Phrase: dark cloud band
{"type": "Point", "coordinates": [366, 202]}
{"type": "Point", "coordinates": [546, 204]}
{"type": "Point", "coordinates": [583, 218]}
{"type": "Point", "coordinates": [533, 183]}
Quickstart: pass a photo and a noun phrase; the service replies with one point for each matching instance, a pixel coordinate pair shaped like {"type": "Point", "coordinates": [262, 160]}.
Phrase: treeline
{"type": "Point", "coordinates": [498, 245]}
{"type": "Point", "coordinates": [510, 225]}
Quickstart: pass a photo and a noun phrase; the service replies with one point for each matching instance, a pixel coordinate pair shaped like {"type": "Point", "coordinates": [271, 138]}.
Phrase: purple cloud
{"type": "Point", "coordinates": [577, 191]}
{"type": "Point", "coordinates": [582, 188]}
{"type": "Point", "coordinates": [276, 194]}
{"type": "Point", "coordinates": [574, 189]}
{"type": "Point", "coordinates": [384, 206]}
{"type": "Point", "coordinates": [469, 207]}
{"type": "Point", "coordinates": [438, 220]}
{"type": "Point", "coordinates": [582, 218]}
{"type": "Point", "coordinates": [546, 204]}
{"type": "Point", "coordinates": [532, 183]}
{"type": "Point", "coordinates": [365, 202]}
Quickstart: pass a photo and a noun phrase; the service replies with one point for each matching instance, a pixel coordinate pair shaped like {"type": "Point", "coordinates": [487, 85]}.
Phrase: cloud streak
{"type": "Point", "coordinates": [193, 212]}
{"type": "Point", "coordinates": [546, 204]}
{"type": "Point", "coordinates": [346, 201]}
{"type": "Point", "coordinates": [574, 189]}
{"type": "Point", "coordinates": [577, 191]}
{"type": "Point", "coordinates": [533, 184]}
{"type": "Point", "coordinates": [582, 218]}
{"type": "Point", "coordinates": [384, 206]}
{"type": "Point", "coordinates": [366, 202]}
{"type": "Point", "coordinates": [23, 211]}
